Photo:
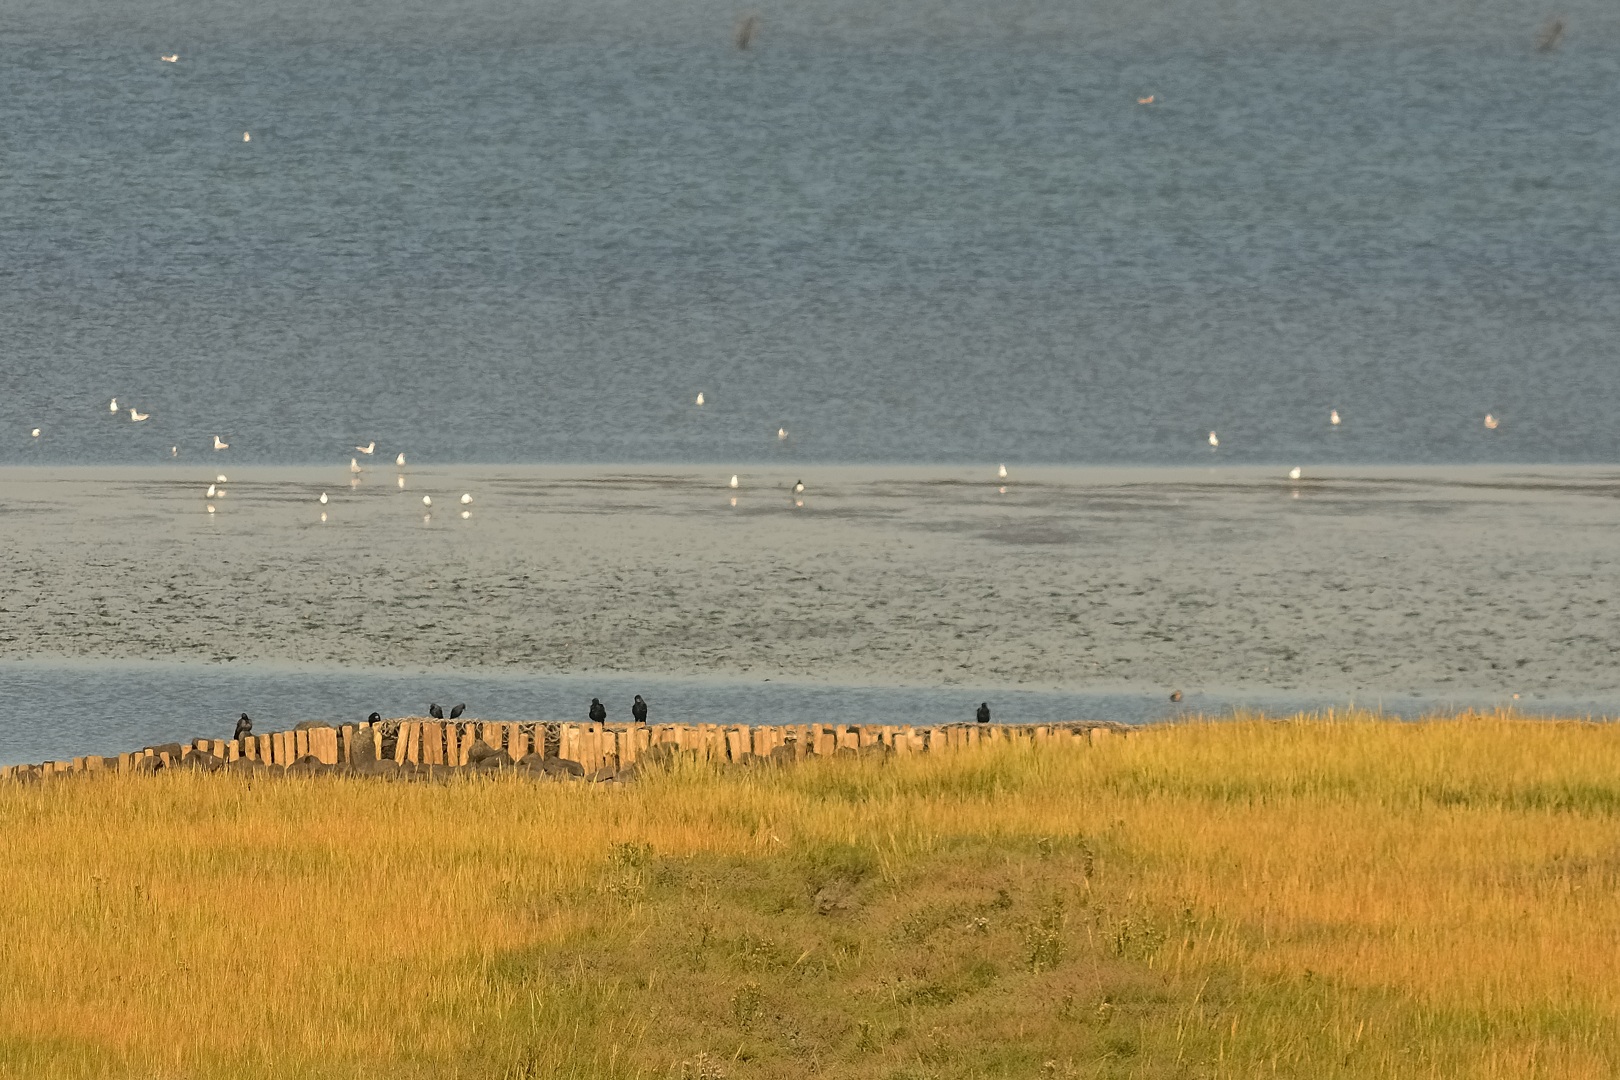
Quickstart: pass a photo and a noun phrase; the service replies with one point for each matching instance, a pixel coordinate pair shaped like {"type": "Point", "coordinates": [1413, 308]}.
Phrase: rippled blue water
{"type": "Point", "coordinates": [938, 242]}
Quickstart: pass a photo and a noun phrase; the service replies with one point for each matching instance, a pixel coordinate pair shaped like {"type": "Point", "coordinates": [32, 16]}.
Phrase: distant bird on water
{"type": "Point", "coordinates": [1214, 441]}
{"type": "Point", "coordinates": [638, 710]}
{"type": "Point", "coordinates": [221, 444]}
{"type": "Point", "coordinates": [246, 137]}
{"type": "Point", "coordinates": [1146, 100]}
{"type": "Point", "coordinates": [368, 448]}
{"type": "Point", "coordinates": [211, 490]}
{"type": "Point", "coordinates": [781, 434]}
{"type": "Point", "coordinates": [983, 715]}
{"type": "Point", "coordinates": [244, 726]}
{"type": "Point", "coordinates": [400, 461]}
{"type": "Point", "coordinates": [1175, 695]}
{"type": "Point", "coordinates": [1491, 421]}
{"type": "Point", "coordinates": [427, 500]}
{"type": "Point", "coordinates": [455, 713]}
{"type": "Point", "coordinates": [733, 479]}
{"type": "Point", "coordinates": [700, 397]}
{"type": "Point", "coordinates": [798, 488]}
{"type": "Point", "coordinates": [466, 498]}
{"type": "Point", "coordinates": [1294, 473]}
{"type": "Point", "coordinates": [1551, 34]}
{"type": "Point", "coordinates": [1002, 472]}
{"type": "Point", "coordinates": [112, 406]}
{"type": "Point", "coordinates": [137, 416]}
{"type": "Point", "coordinates": [172, 58]}
{"type": "Point", "coordinates": [435, 712]}
{"type": "Point", "coordinates": [598, 712]}
{"type": "Point", "coordinates": [36, 433]}
{"type": "Point", "coordinates": [1333, 417]}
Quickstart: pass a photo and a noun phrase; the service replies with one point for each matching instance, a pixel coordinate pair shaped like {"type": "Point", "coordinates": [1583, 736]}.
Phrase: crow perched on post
{"type": "Point", "coordinates": [639, 710]}
{"type": "Point", "coordinates": [374, 718]}
{"type": "Point", "coordinates": [598, 712]}
{"type": "Point", "coordinates": [435, 712]}
{"type": "Point", "coordinates": [244, 727]}
{"type": "Point", "coordinates": [456, 712]}
{"type": "Point", "coordinates": [983, 714]}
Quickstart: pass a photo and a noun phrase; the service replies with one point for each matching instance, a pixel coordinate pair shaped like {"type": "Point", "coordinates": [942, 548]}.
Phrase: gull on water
{"type": "Point", "coordinates": [1213, 441]}
{"type": "Point", "coordinates": [323, 515]}
{"type": "Point", "coordinates": [1002, 472]}
{"type": "Point", "coordinates": [210, 508]}
{"type": "Point", "coordinates": [1333, 417]}
{"type": "Point", "coordinates": [400, 461]}
{"type": "Point", "coordinates": [246, 137]}
{"type": "Point", "coordinates": [465, 514]}
{"type": "Point", "coordinates": [174, 451]}
{"type": "Point", "coordinates": [323, 498]}
{"type": "Point", "coordinates": [1491, 421]}
{"type": "Point", "coordinates": [112, 406]}
{"type": "Point", "coordinates": [368, 448]}
{"type": "Point", "coordinates": [211, 490]}
{"type": "Point", "coordinates": [137, 416]}
{"type": "Point", "coordinates": [1146, 100]}
{"type": "Point", "coordinates": [781, 433]}
{"type": "Point", "coordinates": [221, 444]}
{"type": "Point", "coordinates": [798, 488]}
{"type": "Point", "coordinates": [220, 479]}
{"type": "Point", "coordinates": [354, 465]}
{"type": "Point", "coordinates": [1294, 473]}
{"type": "Point", "coordinates": [36, 433]}
{"type": "Point", "coordinates": [465, 498]}
{"type": "Point", "coordinates": [172, 58]}
{"type": "Point", "coordinates": [733, 475]}
{"type": "Point", "coordinates": [427, 500]}
{"type": "Point", "coordinates": [700, 397]}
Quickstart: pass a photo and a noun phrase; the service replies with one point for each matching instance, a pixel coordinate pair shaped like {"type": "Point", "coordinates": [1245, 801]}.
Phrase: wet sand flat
{"type": "Point", "coordinates": [1388, 580]}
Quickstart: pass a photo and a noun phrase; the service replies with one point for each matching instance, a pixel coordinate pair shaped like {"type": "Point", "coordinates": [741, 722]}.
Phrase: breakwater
{"type": "Point", "coordinates": [424, 747]}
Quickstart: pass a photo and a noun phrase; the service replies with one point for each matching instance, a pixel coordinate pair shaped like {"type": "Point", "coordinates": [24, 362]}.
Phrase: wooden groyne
{"type": "Point", "coordinates": [590, 751]}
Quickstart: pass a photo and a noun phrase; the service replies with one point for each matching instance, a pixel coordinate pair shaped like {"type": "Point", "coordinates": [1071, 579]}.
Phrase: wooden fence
{"type": "Point", "coordinates": [594, 748]}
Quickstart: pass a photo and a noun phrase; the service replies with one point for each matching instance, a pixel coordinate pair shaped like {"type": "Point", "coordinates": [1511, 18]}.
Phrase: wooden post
{"type": "Point", "coordinates": [491, 734]}
{"type": "Point", "coordinates": [568, 742]}
{"type": "Point", "coordinates": [1098, 735]}
{"type": "Point", "coordinates": [735, 747]}
{"type": "Point", "coordinates": [517, 741]}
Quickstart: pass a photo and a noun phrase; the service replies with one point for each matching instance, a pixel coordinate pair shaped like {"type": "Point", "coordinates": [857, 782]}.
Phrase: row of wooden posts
{"type": "Point", "coordinates": [592, 746]}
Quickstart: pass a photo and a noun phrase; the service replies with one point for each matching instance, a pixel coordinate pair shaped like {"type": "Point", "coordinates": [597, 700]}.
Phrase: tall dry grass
{"type": "Point", "coordinates": [1344, 897]}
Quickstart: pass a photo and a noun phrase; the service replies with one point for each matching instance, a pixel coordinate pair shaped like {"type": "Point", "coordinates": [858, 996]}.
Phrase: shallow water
{"type": "Point", "coordinates": [64, 710]}
{"type": "Point", "coordinates": [963, 245]}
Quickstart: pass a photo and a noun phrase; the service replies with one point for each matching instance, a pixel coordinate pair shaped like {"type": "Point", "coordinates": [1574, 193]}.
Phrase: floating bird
{"type": "Point", "coordinates": [1550, 34]}
{"type": "Point", "coordinates": [174, 451]}
{"type": "Point", "coordinates": [983, 715]}
{"type": "Point", "coordinates": [374, 718]}
{"type": "Point", "coordinates": [221, 444]}
{"type": "Point", "coordinates": [435, 712]}
{"type": "Point", "coordinates": [246, 137]}
{"type": "Point", "coordinates": [746, 31]}
{"type": "Point", "coordinates": [137, 416]}
{"type": "Point", "coordinates": [1002, 472]}
{"type": "Point", "coordinates": [1213, 441]}
{"type": "Point", "coordinates": [1491, 421]}
{"type": "Point", "coordinates": [1146, 100]}
{"type": "Point", "coordinates": [598, 712]}
{"type": "Point", "coordinates": [798, 488]}
{"type": "Point", "coordinates": [400, 461]}
{"type": "Point", "coordinates": [638, 711]}
{"type": "Point", "coordinates": [220, 479]}
{"type": "Point", "coordinates": [368, 448]}
{"type": "Point", "coordinates": [465, 514]}
{"type": "Point", "coordinates": [1294, 474]}
{"type": "Point", "coordinates": [734, 500]}
{"type": "Point", "coordinates": [172, 58]}
{"type": "Point", "coordinates": [1175, 695]}
{"type": "Point", "coordinates": [733, 475]}
{"type": "Point", "coordinates": [36, 433]}
{"type": "Point", "coordinates": [781, 433]}
{"type": "Point", "coordinates": [700, 397]}
{"type": "Point", "coordinates": [354, 465]}
{"type": "Point", "coordinates": [427, 500]}
{"type": "Point", "coordinates": [323, 515]}
{"type": "Point", "coordinates": [466, 499]}
{"type": "Point", "coordinates": [455, 713]}
{"type": "Point", "coordinates": [211, 490]}
{"type": "Point", "coordinates": [1001, 490]}
{"type": "Point", "coordinates": [112, 406]}
{"type": "Point", "coordinates": [1333, 417]}
{"type": "Point", "coordinates": [244, 726]}
{"type": "Point", "coordinates": [210, 508]}
{"type": "Point", "coordinates": [323, 498]}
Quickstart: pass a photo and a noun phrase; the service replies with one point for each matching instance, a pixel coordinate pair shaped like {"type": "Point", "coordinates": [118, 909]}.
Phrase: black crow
{"type": "Point", "coordinates": [374, 718]}
{"type": "Point", "coordinates": [435, 712]}
{"type": "Point", "coordinates": [639, 710]}
{"type": "Point", "coordinates": [598, 712]}
{"type": "Point", "coordinates": [457, 711]}
{"type": "Point", "coordinates": [984, 712]}
{"type": "Point", "coordinates": [244, 726]}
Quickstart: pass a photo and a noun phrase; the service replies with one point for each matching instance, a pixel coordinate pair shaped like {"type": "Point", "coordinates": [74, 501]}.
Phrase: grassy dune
{"type": "Point", "coordinates": [1313, 898]}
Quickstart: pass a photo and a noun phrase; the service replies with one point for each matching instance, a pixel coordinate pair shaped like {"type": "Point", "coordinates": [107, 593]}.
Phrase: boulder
{"type": "Point", "coordinates": [563, 767]}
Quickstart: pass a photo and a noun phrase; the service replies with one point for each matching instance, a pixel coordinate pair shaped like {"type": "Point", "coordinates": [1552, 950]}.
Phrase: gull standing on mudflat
{"type": "Point", "coordinates": [1214, 442]}
{"type": "Point", "coordinates": [1002, 472]}
{"type": "Point", "coordinates": [368, 448]}
{"type": "Point", "coordinates": [323, 498]}
{"type": "Point", "coordinates": [798, 488]}
{"type": "Point", "coordinates": [1294, 473]}
{"type": "Point", "coordinates": [400, 461]}
{"type": "Point", "coordinates": [354, 465]}
{"type": "Point", "coordinates": [733, 475]}
{"type": "Point", "coordinates": [221, 444]}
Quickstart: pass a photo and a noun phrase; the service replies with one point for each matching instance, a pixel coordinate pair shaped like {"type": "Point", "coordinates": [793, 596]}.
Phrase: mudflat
{"type": "Point", "coordinates": [1390, 580]}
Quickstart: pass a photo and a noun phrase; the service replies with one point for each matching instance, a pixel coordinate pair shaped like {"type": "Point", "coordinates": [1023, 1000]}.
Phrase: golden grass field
{"type": "Point", "coordinates": [1324, 897]}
